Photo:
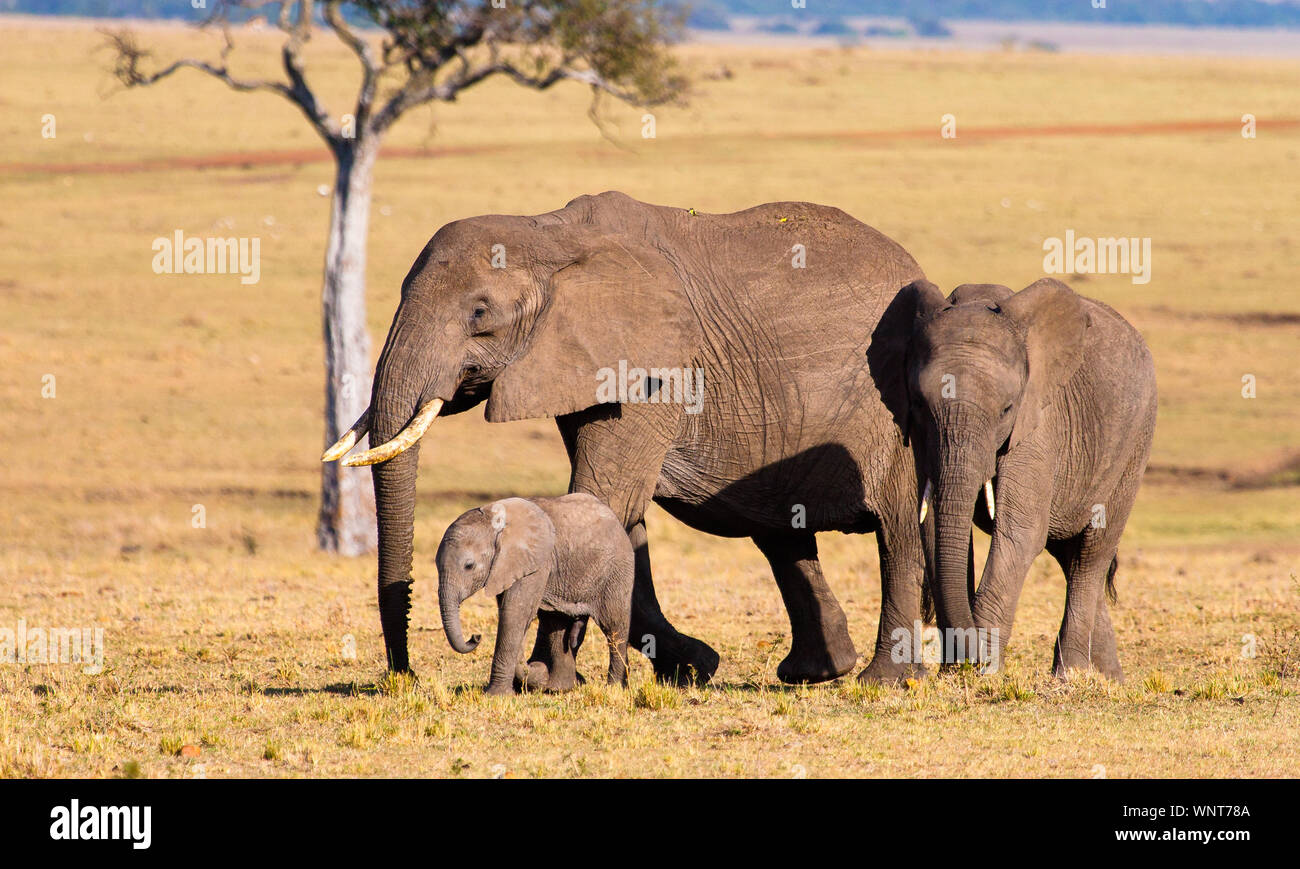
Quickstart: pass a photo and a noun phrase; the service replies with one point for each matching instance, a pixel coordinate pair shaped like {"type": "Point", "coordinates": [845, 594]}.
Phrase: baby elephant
{"type": "Point", "coordinates": [1031, 412]}
{"type": "Point", "coordinates": [568, 558]}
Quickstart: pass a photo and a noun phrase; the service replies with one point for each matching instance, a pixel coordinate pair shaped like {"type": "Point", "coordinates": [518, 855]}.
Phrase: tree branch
{"type": "Point", "coordinates": [409, 97]}
{"type": "Point", "coordinates": [128, 69]}
{"type": "Point", "coordinates": [371, 66]}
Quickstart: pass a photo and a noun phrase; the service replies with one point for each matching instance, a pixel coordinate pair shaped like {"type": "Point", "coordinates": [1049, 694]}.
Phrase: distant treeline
{"type": "Point", "coordinates": [713, 13]}
{"type": "Point", "coordinates": [1196, 13]}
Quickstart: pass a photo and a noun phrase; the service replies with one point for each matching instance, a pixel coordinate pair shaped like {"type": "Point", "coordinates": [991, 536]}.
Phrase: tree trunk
{"type": "Point", "coordinates": [347, 512]}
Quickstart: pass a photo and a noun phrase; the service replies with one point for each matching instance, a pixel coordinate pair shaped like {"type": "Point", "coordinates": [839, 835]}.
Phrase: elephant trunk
{"type": "Point", "coordinates": [449, 601]}
{"type": "Point", "coordinates": [394, 483]}
{"type": "Point", "coordinates": [401, 383]}
{"type": "Point", "coordinates": [954, 508]}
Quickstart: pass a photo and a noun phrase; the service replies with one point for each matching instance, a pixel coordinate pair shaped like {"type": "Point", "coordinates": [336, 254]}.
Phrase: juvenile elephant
{"type": "Point", "coordinates": [1034, 412]}
{"type": "Point", "coordinates": [568, 558]}
{"type": "Point", "coordinates": [712, 362]}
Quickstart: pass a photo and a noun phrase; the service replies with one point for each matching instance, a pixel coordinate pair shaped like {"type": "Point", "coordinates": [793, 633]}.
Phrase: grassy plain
{"type": "Point", "coordinates": [173, 392]}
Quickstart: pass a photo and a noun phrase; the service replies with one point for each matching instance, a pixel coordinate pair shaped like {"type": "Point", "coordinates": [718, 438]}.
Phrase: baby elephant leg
{"type": "Point", "coordinates": [614, 621]}
{"type": "Point", "coordinates": [555, 632]}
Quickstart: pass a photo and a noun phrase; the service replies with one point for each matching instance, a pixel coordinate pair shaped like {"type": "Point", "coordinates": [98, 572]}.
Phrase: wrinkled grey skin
{"type": "Point", "coordinates": [568, 558]}
{"type": "Point", "coordinates": [1053, 396]}
{"type": "Point", "coordinates": [792, 437]}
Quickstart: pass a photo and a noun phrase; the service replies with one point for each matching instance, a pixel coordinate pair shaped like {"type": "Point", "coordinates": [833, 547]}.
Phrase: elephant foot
{"type": "Point", "coordinates": [536, 676]}
{"type": "Point", "coordinates": [1111, 670]}
{"type": "Point", "coordinates": [499, 689]}
{"type": "Point", "coordinates": [532, 676]}
{"type": "Point", "coordinates": [818, 664]}
{"type": "Point", "coordinates": [884, 670]}
{"type": "Point", "coordinates": [687, 662]}
{"type": "Point", "coordinates": [1062, 671]}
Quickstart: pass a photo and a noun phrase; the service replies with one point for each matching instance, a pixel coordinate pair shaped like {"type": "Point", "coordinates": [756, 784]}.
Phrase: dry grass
{"type": "Point", "coordinates": [226, 644]}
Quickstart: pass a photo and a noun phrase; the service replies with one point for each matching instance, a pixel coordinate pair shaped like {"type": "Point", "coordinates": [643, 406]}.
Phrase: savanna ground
{"type": "Point", "coordinates": [229, 640]}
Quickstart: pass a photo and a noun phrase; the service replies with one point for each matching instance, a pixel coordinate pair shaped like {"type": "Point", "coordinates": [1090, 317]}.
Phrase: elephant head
{"type": "Point", "coordinates": [982, 367]}
{"type": "Point", "coordinates": [494, 549]}
{"type": "Point", "coordinates": [525, 313]}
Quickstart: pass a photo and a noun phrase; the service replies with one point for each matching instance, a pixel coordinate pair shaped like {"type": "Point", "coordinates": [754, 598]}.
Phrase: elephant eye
{"type": "Point", "coordinates": [469, 565]}
{"type": "Point", "coordinates": [1006, 410]}
{"type": "Point", "coordinates": [471, 370]}
{"type": "Point", "coordinates": [477, 326]}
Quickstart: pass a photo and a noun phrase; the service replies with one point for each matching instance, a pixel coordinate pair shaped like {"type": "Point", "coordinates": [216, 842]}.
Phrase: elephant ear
{"type": "Point", "coordinates": [1053, 320]}
{"type": "Point", "coordinates": [607, 300]}
{"type": "Point", "coordinates": [525, 542]}
{"type": "Point", "coordinates": [888, 355]}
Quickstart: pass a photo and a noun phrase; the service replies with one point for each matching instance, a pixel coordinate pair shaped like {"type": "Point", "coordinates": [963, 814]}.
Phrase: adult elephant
{"type": "Point", "coordinates": [773, 307]}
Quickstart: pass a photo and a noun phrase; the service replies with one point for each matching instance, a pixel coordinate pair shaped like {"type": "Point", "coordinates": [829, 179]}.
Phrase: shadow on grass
{"type": "Point", "coordinates": [341, 689]}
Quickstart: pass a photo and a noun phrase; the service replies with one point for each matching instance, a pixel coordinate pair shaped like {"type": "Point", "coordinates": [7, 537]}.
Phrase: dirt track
{"type": "Point", "coordinates": [249, 159]}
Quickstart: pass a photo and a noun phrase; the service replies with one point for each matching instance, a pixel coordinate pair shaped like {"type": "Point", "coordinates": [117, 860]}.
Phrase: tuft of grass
{"type": "Point", "coordinates": [1013, 690]}
{"type": "Point", "coordinates": [859, 692]}
{"type": "Point", "coordinates": [1211, 689]}
{"type": "Point", "coordinates": [272, 751]}
{"type": "Point", "coordinates": [1157, 683]}
{"type": "Point", "coordinates": [397, 684]}
{"type": "Point", "coordinates": [655, 695]}
{"type": "Point", "coordinates": [171, 745]}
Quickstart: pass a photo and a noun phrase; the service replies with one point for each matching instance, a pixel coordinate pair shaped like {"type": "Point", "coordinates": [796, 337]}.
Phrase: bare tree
{"type": "Point", "coordinates": [411, 53]}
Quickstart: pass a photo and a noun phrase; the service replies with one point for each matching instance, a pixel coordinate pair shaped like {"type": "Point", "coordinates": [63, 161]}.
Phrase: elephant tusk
{"type": "Point", "coordinates": [403, 441]}
{"type": "Point", "coordinates": [349, 439]}
{"type": "Point", "coordinates": [925, 502]}
{"type": "Point", "coordinates": [988, 497]}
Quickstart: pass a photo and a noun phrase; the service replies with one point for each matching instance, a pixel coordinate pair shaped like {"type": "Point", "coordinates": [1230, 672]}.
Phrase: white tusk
{"type": "Point", "coordinates": [403, 441]}
{"type": "Point", "coordinates": [988, 496]}
{"type": "Point", "coordinates": [925, 502]}
{"type": "Point", "coordinates": [349, 439]}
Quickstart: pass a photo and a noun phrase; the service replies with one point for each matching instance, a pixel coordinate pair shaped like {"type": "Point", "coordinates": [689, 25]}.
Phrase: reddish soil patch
{"type": "Point", "coordinates": [251, 159]}
{"type": "Point", "coordinates": [232, 160]}
{"type": "Point", "coordinates": [1129, 129]}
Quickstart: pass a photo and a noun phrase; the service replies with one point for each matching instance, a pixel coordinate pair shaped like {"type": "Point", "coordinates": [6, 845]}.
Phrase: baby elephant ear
{"type": "Point", "coordinates": [1054, 321]}
{"type": "Point", "coordinates": [525, 542]}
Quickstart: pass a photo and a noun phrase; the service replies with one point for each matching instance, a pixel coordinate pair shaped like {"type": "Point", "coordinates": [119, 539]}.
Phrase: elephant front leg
{"type": "Point", "coordinates": [820, 645]}
{"type": "Point", "coordinates": [516, 608]}
{"type": "Point", "coordinates": [676, 658]}
{"type": "Point", "coordinates": [552, 666]}
{"type": "Point", "coordinates": [902, 572]}
{"type": "Point", "coordinates": [1019, 535]}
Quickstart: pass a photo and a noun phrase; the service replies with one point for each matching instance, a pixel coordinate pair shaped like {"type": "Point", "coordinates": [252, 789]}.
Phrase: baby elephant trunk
{"type": "Point", "coordinates": [449, 601]}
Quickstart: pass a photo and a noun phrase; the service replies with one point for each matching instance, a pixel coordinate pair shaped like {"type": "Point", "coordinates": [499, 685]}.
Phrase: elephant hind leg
{"type": "Point", "coordinates": [1104, 653]}
{"type": "Point", "coordinates": [820, 645]}
{"type": "Point", "coordinates": [1087, 638]}
{"type": "Point", "coordinates": [613, 618]}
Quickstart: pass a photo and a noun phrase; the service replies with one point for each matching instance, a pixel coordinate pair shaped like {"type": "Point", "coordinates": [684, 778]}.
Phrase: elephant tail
{"type": "Point", "coordinates": [1110, 579]}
